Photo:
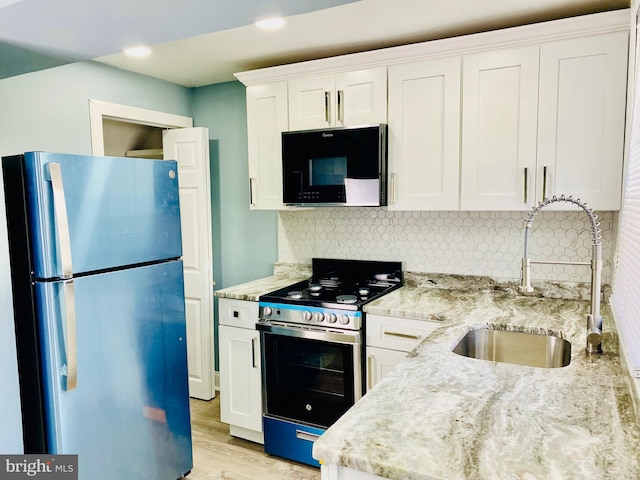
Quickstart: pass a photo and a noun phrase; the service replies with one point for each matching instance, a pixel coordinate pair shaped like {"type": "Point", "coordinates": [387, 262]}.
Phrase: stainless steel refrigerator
{"type": "Point", "coordinates": [95, 250]}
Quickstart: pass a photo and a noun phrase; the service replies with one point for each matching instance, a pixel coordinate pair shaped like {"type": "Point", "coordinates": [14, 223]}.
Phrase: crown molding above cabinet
{"type": "Point", "coordinates": [593, 24]}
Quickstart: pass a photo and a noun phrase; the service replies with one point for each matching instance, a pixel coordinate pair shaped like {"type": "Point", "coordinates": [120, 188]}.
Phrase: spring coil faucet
{"type": "Point", "coordinates": [594, 319]}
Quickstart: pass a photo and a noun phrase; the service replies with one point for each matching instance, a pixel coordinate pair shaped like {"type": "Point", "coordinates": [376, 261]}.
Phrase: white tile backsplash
{"type": "Point", "coordinates": [468, 243]}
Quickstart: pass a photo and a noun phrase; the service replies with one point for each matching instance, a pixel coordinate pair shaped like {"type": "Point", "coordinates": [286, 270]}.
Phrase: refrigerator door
{"type": "Point", "coordinates": [97, 213]}
{"type": "Point", "coordinates": [128, 416]}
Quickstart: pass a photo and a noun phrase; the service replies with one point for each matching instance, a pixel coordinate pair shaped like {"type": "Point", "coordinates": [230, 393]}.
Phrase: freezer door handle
{"type": "Point", "coordinates": [70, 344]}
{"type": "Point", "coordinates": [61, 219]}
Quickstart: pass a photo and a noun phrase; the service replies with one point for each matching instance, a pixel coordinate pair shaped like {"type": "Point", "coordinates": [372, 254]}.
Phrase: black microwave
{"type": "Point", "coordinates": [335, 167]}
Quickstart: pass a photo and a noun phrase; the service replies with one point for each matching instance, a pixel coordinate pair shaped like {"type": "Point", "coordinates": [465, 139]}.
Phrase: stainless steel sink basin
{"type": "Point", "coordinates": [520, 348]}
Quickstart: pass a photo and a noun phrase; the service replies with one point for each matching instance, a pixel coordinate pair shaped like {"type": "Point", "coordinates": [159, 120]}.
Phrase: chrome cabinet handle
{"type": "Point", "coordinates": [64, 244]}
{"type": "Point", "coordinates": [526, 184]}
{"type": "Point", "coordinates": [544, 183]}
{"type": "Point", "coordinates": [251, 180]}
{"type": "Point", "coordinates": [370, 376]}
{"type": "Point", "coordinates": [402, 335]}
{"type": "Point", "coordinates": [340, 106]}
{"type": "Point", "coordinates": [327, 114]}
{"type": "Point", "coordinates": [253, 353]}
{"type": "Point", "coordinates": [392, 193]}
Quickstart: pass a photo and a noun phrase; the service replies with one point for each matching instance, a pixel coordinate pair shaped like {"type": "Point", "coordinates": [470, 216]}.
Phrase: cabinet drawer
{"type": "Point", "coordinates": [396, 333]}
{"type": "Point", "coordinates": [238, 313]}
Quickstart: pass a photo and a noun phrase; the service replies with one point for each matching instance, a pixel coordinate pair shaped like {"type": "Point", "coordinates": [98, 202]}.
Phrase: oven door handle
{"type": "Point", "coordinates": [308, 436]}
{"type": "Point", "coordinates": [348, 337]}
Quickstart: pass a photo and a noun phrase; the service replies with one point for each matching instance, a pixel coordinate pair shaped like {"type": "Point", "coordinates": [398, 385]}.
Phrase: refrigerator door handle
{"type": "Point", "coordinates": [64, 244]}
{"type": "Point", "coordinates": [61, 220]}
{"type": "Point", "coordinates": [70, 344]}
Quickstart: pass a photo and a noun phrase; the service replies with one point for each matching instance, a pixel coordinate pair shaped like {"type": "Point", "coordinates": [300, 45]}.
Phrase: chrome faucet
{"type": "Point", "coordinates": [594, 319]}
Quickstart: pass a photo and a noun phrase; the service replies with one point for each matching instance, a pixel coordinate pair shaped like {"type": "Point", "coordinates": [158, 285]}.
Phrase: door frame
{"type": "Point", "coordinates": [100, 110]}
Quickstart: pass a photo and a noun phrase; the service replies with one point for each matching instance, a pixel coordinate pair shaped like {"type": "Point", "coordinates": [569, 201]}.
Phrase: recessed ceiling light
{"type": "Point", "coordinates": [271, 23]}
{"type": "Point", "coordinates": [140, 51]}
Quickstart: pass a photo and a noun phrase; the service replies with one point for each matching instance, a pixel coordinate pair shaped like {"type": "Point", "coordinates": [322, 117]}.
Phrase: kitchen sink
{"type": "Point", "coordinates": [520, 348]}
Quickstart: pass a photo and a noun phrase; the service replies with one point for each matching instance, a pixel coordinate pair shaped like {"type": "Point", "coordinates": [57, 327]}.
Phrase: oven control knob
{"type": "Point", "coordinates": [318, 317]}
{"type": "Point", "coordinates": [332, 318]}
{"type": "Point", "coordinates": [343, 319]}
{"type": "Point", "coordinates": [267, 311]}
{"type": "Point", "coordinates": [306, 316]}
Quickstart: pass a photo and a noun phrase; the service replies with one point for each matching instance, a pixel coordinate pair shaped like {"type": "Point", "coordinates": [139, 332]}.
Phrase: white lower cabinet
{"type": "Point", "coordinates": [380, 361]}
{"type": "Point", "coordinates": [389, 340]}
{"type": "Point", "coordinates": [240, 369]}
{"type": "Point", "coordinates": [335, 472]}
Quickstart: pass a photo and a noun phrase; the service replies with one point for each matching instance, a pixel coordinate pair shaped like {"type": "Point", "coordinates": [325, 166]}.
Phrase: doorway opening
{"type": "Point", "coordinates": [119, 129]}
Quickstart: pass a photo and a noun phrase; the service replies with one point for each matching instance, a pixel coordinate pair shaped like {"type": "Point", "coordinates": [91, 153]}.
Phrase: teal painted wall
{"type": "Point", "coordinates": [245, 242]}
{"type": "Point", "coordinates": [10, 413]}
{"type": "Point", "coordinates": [49, 109]}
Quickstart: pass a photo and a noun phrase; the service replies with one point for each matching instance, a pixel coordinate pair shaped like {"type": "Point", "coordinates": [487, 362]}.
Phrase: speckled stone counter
{"type": "Point", "coordinates": [438, 415]}
{"type": "Point", "coordinates": [284, 274]}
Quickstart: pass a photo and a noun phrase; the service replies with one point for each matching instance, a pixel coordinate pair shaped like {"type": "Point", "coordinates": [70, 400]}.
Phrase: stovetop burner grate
{"type": "Point", "coordinates": [341, 284]}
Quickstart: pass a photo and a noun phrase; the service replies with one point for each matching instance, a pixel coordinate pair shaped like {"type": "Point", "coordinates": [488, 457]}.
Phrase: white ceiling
{"type": "Point", "coordinates": [199, 42]}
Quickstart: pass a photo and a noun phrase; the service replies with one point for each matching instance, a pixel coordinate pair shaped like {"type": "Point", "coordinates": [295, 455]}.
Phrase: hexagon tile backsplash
{"type": "Point", "coordinates": [466, 243]}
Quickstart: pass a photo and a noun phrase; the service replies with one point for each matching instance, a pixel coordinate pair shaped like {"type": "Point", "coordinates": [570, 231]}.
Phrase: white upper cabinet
{"type": "Point", "coordinates": [581, 119]}
{"type": "Point", "coordinates": [336, 100]}
{"type": "Point", "coordinates": [499, 123]}
{"type": "Point", "coordinates": [266, 120]}
{"type": "Point", "coordinates": [424, 135]}
{"type": "Point", "coordinates": [489, 121]}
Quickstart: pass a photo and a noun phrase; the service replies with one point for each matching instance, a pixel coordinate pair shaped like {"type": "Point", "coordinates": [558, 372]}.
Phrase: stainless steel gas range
{"type": "Point", "coordinates": [313, 351]}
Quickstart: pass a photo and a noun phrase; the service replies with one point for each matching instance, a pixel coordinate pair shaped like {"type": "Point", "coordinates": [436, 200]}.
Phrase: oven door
{"type": "Point", "coordinates": [310, 376]}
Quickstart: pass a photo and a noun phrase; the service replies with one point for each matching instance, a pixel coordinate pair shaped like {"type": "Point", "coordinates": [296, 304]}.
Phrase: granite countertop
{"type": "Point", "coordinates": [438, 415]}
{"type": "Point", "coordinates": [283, 275]}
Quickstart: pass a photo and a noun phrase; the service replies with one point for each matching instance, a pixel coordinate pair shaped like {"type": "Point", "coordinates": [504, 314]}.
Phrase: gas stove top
{"type": "Point", "coordinates": [346, 296]}
{"type": "Point", "coordinates": [334, 295]}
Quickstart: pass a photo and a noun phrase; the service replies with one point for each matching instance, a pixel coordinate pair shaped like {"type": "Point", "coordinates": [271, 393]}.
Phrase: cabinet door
{"type": "Point", "coordinates": [499, 122]}
{"type": "Point", "coordinates": [380, 362]}
{"type": "Point", "coordinates": [361, 97]}
{"type": "Point", "coordinates": [266, 120]}
{"type": "Point", "coordinates": [424, 135]}
{"type": "Point", "coordinates": [581, 119]}
{"type": "Point", "coordinates": [345, 99]}
{"type": "Point", "coordinates": [240, 377]}
{"type": "Point", "coordinates": [312, 102]}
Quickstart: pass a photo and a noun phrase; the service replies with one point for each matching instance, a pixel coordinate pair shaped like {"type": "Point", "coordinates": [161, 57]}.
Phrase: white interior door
{"type": "Point", "coordinates": [190, 147]}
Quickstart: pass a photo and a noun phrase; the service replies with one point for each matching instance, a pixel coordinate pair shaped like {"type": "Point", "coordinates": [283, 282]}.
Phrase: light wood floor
{"type": "Point", "coordinates": [219, 456]}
